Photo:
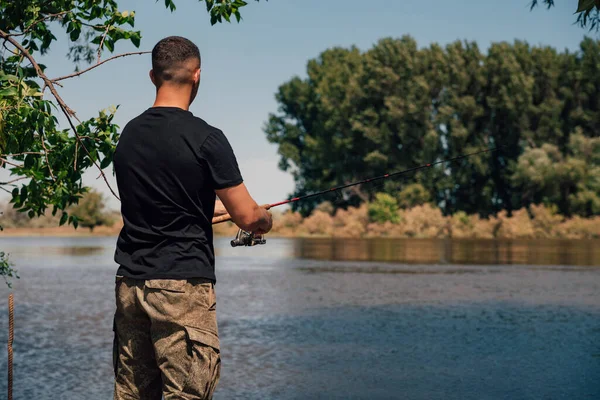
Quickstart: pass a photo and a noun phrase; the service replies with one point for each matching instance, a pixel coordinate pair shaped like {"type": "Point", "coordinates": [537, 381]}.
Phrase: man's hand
{"type": "Point", "coordinates": [266, 223]}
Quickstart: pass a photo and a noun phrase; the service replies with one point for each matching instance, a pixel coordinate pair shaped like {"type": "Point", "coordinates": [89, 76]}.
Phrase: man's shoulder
{"type": "Point", "coordinates": [205, 126]}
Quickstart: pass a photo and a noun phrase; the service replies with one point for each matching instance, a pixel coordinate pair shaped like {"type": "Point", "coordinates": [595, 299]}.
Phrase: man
{"type": "Point", "coordinates": [170, 166]}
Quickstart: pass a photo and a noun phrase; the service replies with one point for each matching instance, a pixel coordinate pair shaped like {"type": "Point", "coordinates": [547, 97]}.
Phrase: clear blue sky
{"type": "Point", "coordinates": [243, 64]}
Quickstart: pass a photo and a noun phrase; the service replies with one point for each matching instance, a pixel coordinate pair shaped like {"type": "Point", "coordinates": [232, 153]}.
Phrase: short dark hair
{"type": "Point", "coordinates": [168, 57]}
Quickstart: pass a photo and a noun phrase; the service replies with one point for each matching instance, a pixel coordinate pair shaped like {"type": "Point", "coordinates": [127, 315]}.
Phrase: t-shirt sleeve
{"type": "Point", "coordinates": [221, 163]}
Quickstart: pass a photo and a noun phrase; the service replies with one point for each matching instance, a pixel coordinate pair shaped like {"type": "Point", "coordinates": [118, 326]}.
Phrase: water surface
{"type": "Point", "coordinates": [301, 323]}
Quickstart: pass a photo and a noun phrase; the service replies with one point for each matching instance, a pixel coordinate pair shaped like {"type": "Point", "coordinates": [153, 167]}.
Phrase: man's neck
{"type": "Point", "coordinates": [168, 97]}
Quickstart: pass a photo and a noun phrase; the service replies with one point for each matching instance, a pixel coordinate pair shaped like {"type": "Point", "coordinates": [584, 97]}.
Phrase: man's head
{"type": "Point", "coordinates": [176, 65]}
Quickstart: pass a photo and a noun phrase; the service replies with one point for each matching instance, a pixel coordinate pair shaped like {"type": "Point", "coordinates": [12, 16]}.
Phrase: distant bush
{"type": "Point", "coordinates": [384, 209]}
{"type": "Point", "coordinates": [13, 218]}
{"type": "Point", "coordinates": [318, 223]}
{"type": "Point", "coordinates": [378, 219]}
{"type": "Point", "coordinates": [413, 195]}
{"type": "Point", "coordinates": [351, 222]}
{"type": "Point", "coordinates": [90, 211]}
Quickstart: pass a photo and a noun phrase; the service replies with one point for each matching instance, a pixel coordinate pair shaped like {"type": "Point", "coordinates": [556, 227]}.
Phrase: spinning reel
{"type": "Point", "coordinates": [244, 238]}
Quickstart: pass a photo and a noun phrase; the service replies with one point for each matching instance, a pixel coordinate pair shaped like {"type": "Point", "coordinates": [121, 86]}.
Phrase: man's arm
{"type": "Point", "coordinates": [244, 211]}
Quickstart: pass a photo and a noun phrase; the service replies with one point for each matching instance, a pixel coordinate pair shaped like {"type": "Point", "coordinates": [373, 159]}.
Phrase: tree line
{"type": "Point", "coordinates": [89, 212]}
{"type": "Point", "coordinates": [395, 106]}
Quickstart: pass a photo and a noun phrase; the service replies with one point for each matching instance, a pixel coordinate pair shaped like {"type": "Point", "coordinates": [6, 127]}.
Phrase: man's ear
{"type": "Point", "coordinates": [197, 75]}
{"type": "Point", "coordinates": [152, 78]}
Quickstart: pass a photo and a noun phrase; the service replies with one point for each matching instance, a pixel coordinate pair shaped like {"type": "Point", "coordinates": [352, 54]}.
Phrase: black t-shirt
{"type": "Point", "coordinates": [168, 164]}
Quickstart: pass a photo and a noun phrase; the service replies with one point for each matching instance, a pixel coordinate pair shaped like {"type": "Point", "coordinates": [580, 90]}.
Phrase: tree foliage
{"type": "Point", "coordinates": [90, 211]}
{"type": "Point", "coordinates": [384, 209]}
{"type": "Point", "coordinates": [396, 106]}
{"type": "Point", "coordinates": [47, 160]}
{"type": "Point", "coordinates": [219, 10]}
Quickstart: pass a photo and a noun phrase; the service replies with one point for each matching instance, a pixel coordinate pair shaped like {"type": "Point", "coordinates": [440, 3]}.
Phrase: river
{"type": "Point", "coordinates": [333, 319]}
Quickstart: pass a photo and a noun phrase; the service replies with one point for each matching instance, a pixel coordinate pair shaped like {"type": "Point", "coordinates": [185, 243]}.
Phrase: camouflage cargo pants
{"type": "Point", "coordinates": [166, 340]}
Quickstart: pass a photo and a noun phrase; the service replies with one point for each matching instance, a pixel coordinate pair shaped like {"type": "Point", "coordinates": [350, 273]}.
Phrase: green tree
{"type": "Point", "coordinates": [412, 195]}
{"type": "Point", "coordinates": [47, 160]}
{"type": "Point", "coordinates": [90, 211]}
{"type": "Point", "coordinates": [396, 106]}
{"type": "Point", "coordinates": [384, 208]}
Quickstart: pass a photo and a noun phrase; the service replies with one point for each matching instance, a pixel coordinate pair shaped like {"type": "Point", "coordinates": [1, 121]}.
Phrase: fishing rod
{"type": "Point", "coordinates": [244, 238]}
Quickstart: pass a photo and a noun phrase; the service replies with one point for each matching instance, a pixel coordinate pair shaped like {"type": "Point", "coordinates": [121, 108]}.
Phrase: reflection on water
{"type": "Point", "coordinates": [378, 269]}
{"type": "Point", "coordinates": [72, 251]}
{"type": "Point", "coordinates": [295, 323]}
{"type": "Point", "coordinates": [453, 251]}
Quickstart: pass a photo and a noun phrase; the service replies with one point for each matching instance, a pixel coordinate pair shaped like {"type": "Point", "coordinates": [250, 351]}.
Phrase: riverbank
{"type": "Point", "coordinates": [61, 231]}
{"type": "Point", "coordinates": [423, 222]}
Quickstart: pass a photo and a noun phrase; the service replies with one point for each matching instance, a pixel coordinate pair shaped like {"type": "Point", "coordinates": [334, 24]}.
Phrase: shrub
{"type": "Point", "coordinates": [413, 195]}
{"type": "Point", "coordinates": [90, 210]}
{"type": "Point", "coordinates": [383, 209]}
{"type": "Point", "coordinates": [424, 221]}
{"type": "Point", "coordinates": [318, 223]}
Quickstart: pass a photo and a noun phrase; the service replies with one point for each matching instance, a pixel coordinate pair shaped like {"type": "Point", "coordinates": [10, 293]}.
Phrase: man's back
{"type": "Point", "coordinates": [168, 165]}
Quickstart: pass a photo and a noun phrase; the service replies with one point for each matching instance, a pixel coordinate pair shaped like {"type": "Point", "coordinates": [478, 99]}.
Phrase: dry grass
{"type": "Point", "coordinates": [422, 221]}
{"type": "Point", "coordinates": [425, 221]}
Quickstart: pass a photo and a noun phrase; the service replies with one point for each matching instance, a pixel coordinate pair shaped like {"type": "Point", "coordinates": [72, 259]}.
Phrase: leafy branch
{"type": "Point", "coordinates": [588, 12]}
{"type": "Point", "coordinates": [219, 10]}
{"type": "Point", "coordinates": [46, 161]}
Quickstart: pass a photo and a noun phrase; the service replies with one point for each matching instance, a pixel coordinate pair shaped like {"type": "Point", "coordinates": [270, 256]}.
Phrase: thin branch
{"type": "Point", "coordinates": [75, 158]}
{"type": "Point", "coordinates": [102, 43]}
{"type": "Point", "coordinates": [36, 153]}
{"type": "Point", "coordinates": [97, 27]}
{"type": "Point", "coordinates": [135, 53]}
{"type": "Point", "coordinates": [46, 155]}
{"type": "Point", "coordinates": [5, 161]}
{"type": "Point", "coordinates": [63, 106]}
{"type": "Point", "coordinates": [14, 180]}
{"type": "Point", "coordinates": [34, 23]}
{"type": "Point", "coordinates": [92, 138]}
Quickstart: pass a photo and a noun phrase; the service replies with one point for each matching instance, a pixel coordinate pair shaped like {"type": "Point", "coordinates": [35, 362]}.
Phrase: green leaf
{"type": "Point", "coordinates": [209, 4]}
{"type": "Point", "coordinates": [74, 35]}
{"type": "Point", "coordinates": [8, 77]}
{"type": "Point", "coordinates": [585, 5]}
{"type": "Point", "coordinates": [63, 218]}
{"type": "Point", "coordinates": [136, 39]}
{"type": "Point", "coordinates": [9, 91]}
{"type": "Point", "coordinates": [29, 161]}
{"type": "Point", "coordinates": [23, 193]}
{"type": "Point", "coordinates": [170, 5]}
{"type": "Point", "coordinates": [106, 162]}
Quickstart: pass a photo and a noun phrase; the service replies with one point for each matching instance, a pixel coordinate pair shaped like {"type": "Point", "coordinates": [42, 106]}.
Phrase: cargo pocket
{"type": "Point", "coordinates": [170, 285]}
{"type": "Point", "coordinates": [167, 296]}
{"type": "Point", "coordinates": [205, 363]}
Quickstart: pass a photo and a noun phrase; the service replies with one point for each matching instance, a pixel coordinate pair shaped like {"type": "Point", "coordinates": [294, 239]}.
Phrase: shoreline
{"type": "Point", "coordinates": [113, 231]}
